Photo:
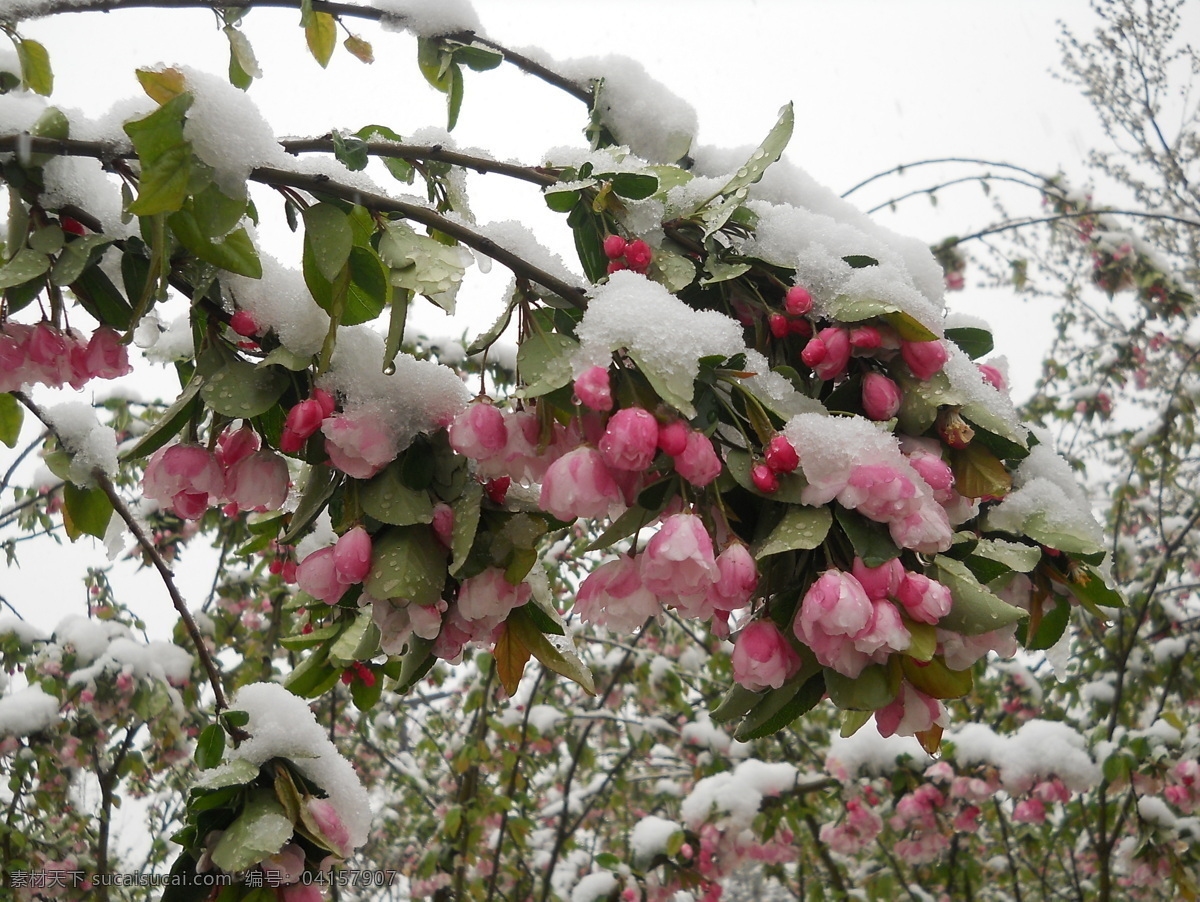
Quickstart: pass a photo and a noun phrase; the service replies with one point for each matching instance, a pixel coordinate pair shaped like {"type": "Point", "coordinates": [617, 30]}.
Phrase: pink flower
{"type": "Point", "coordinates": [763, 658]}
{"type": "Point", "coordinates": [317, 575]}
{"type": "Point", "coordinates": [1030, 811]}
{"type": "Point", "coordinates": [106, 357]}
{"type": "Point", "coordinates": [614, 247]}
{"type": "Point", "coordinates": [835, 356]}
{"type": "Point", "coordinates": [924, 358]}
{"type": "Point", "coordinates": [259, 481]}
{"type": "Point", "coordinates": [673, 437]}
{"type": "Point", "coordinates": [926, 531]}
{"type": "Point", "coordinates": [578, 484]}
{"type": "Point", "coordinates": [878, 582]}
{"type": "Point", "coordinates": [357, 445]}
{"type": "Point", "coordinates": [880, 396]}
{"type": "Point", "coordinates": [593, 387]}
{"type": "Point", "coordinates": [243, 323]}
{"type": "Point", "coordinates": [835, 609]}
{"type": "Point", "coordinates": [993, 377]}
{"type": "Point", "coordinates": [302, 421]}
{"type": "Point", "coordinates": [885, 633]}
{"type": "Point", "coordinates": [637, 255]}
{"type": "Point", "coordinates": [781, 455]}
{"type": "Point", "coordinates": [737, 578]}
{"type": "Point", "coordinates": [613, 596]}
{"type": "Point", "coordinates": [489, 597]}
{"type": "Point", "coordinates": [911, 712]}
{"type": "Point", "coordinates": [352, 556]}
{"type": "Point", "coordinates": [764, 479]}
{"type": "Point", "coordinates": [881, 492]}
{"type": "Point", "coordinates": [679, 560]}
{"type": "Point", "coordinates": [443, 523]}
{"type": "Point", "coordinates": [479, 431]}
{"type": "Point", "coordinates": [185, 478]}
{"type": "Point", "coordinates": [698, 463]}
{"type": "Point", "coordinates": [631, 439]}
{"type": "Point", "coordinates": [925, 600]}
{"type": "Point", "coordinates": [797, 301]}
{"type": "Point", "coordinates": [331, 824]}
{"type": "Point", "coordinates": [235, 444]}
{"type": "Point", "coordinates": [866, 338]}
{"type": "Point", "coordinates": [284, 867]}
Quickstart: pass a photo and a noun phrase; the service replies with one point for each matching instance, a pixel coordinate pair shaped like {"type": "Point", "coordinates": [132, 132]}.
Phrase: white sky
{"type": "Point", "coordinates": [875, 83]}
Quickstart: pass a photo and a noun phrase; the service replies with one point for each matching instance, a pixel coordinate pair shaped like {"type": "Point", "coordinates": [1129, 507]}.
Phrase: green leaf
{"type": "Point", "coordinates": [627, 524]}
{"type": "Point", "coordinates": [455, 98]}
{"type": "Point", "coordinates": [871, 541]}
{"type": "Point", "coordinates": [738, 700]}
{"type": "Point", "coordinates": [26, 265]}
{"type": "Point", "coordinates": [486, 339]}
{"type": "Point", "coordinates": [261, 830]}
{"type": "Point", "coordinates": [544, 361]}
{"type": "Point", "coordinates": [978, 473]}
{"type": "Point", "coordinates": [860, 261]}
{"type": "Point", "coordinates": [1053, 624]}
{"type": "Point", "coordinates": [389, 500]}
{"type": "Point", "coordinates": [400, 169]}
{"type": "Point", "coordinates": [634, 185]}
{"type": "Point", "coordinates": [407, 562]}
{"type": "Point", "coordinates": [235, 252]}
{"type": "Point", "coordinates": [327, 232]}
{"type": "Point", "coordinates": [170, 423]}
{"type": "Point", "coordinates": [243, 66]}
{"type": "Point", "coordinates": [975, 343]}
{"type": "Point", "coordinates": [365, 697]}
{"type": "Point", "coordinates": [937, 680]}
{"type": "Point", "coordinates": [417, 662]}
{"type": "Point", "coordinates": [1012, 555]}
{"type": "Point", "coordinates": [1042, 528]}
{"type": "Point", "coordinates": [75, 257]}
{"type": "Point", "coordinates": [161, 85]}
{"type": "Point", "coordinates": [921, 398]}
{"type": "Point", "coordinates": [314, 676]}
{"type": "Point", "coordinates": [210, 746]}
{"type": "Point", "coordinates": [85, 511]}
{"type": "Point", "coordinates": [351, 151]}
{"type": "Point", "coordinates": [781, 706]}
{"type": "Point", "coordinates": [555, 652]}
{"type": "Point", "coordinates": [421, 264]}
{"type": "Point", "coordinates": [1093, 590]}
{"type": "Point", "coordinates": [370, 290]}
{"type": "Point", "coordinates": [100, 297]}
{"type": "Point", "coordinates": [801, 528]}
{"type": "Point", "coordinates": [12, 415]}
{"type": "Point", "coordinates": [434, 61]}
{"type": "Point", "coordinates": [165, 156]}
{"type": "Point", "coordinates": [976, 609]}
{"type": "Point", "coordinates": [674, 385]}
{"type": "Point", "coordinates": [397, 317]}
{"type": "Point", "coordinates": [322, 481]}
{"type": "Point", "coordinates": [241, 389]}
{"type": "Point", "coordinates": [47, 240]}
{"type": "Point", "coordinates": [466, 523]}
{"type": "Point", "coordinates": [36, 73]}
{"type": "Point", "coordinates": [562, 200]}
{"type": "Point", "coordinates": [875, 688]}
{"type": "Point", "coordinates": [715, 211]}
{"type": "Point", "coordinates": [924, 640]}
{"type": "Point", "coordinates": [478, 59]}
{"type": "Point", "coordinates": [360, 49]}
{"type": "Point", "coordinates": [849, 309]}
{"type": "Point", "coordinates": [358, 641]}
{"type": "Point", "coordinates": [320, 33]}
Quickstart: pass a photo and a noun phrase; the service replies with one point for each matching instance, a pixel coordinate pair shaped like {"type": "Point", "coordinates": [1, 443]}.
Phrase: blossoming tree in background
{"type": "Point", "coordinates": [742, 483]}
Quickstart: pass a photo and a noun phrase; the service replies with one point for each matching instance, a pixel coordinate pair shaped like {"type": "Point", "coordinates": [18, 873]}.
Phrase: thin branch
{"type": "Point", "coordinates": [434, 152]}
{"type": "Point", "coordinates": [526, 64]}
{"type": "Point", "coordinates": [323, 185]}
{"type": "Point", "coordinates": [1042, 220]}
{"type": "Point", "coordinates": [899, 170]}
{"type": "Point", "coordinates": [932, 189]}
{"type": "Point", "coordinates": [168, 578]}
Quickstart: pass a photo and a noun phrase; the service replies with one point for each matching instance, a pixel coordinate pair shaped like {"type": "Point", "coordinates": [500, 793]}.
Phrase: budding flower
{"type": "Point", "coordinates": [880, 396]}
{"type": "Point", "coordinates": [614, 247]}
{"type": "Point", "coordinates": [953, 429]}
{"type": "Point", "coordinates": [798, 301]}
{"type": "Point", "coordinates": [781, 455]}
{"type": "Point", "coordinates": [764, 479]}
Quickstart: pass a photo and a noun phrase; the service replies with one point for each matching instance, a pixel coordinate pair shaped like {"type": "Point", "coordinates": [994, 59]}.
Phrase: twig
{"type": "Point", "coordinates": [168, 578]}
{"type": "Point", "coordinates": [349, 10]}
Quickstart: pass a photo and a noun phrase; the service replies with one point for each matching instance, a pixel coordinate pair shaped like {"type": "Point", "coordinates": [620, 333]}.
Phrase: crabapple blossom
{"type": "Point", "coordinates": [614, 596]}
{"type": "Point", "coordinates": [357, 445]}
{"type": "Point", "coordinates": [797, 301]}
{"type": "Point", "coordinates": [737, 578]}
{"type": "Point", "coordinates": [679, 561]}
{"type": "Point", "coordinates": [880, 396]}
{"type": "Point", "coordinates": [763, 658]}
{"type": "Point", "coordinates": [878, 582]}
{"type": "Point", "coordinates": [243, 323]}
{"type": "Point", "coordinates": [834, 353]}
{"type": "Point", "coordinates": [592, 387]}
{"type": "Point", "coordinates": [924, 358]}
{"type": "Point", "coordinates": [673, 437]}
{"type": "Point", "coordinates": [259, 481]}
{"type": "Point", "coordinates": [764, 479]}
{"type": "Point", "coordinates": [301, 422]}
{"type": "Point", "coordinates": [925, 600]}
{"type": "Point", "coordinates": [630, 441]}
{"type": "Point", "coordinates": [184, 477]}
{"type": "Point", "coordinates": [865, 338]}
{"type": "Point", "coordinates": [489, 596]}
{"type": "Point", "coordinates": [579, 484]}
{"type": "Point", "coordinates": [234, 445]}
{"type": "Point", "coordinates": [835, 609]}
{"type": "Point", "coordinates": [479, 431]}
{"type": "Point", "coordinates": [352, 556]}
{"type": "Point", "coordinates": [778, 324]}
{"type": "Point", "coordinates": [910, 712]}
{"type": "Point", "coordinates": [331, 824]}
{"type": "Point", "coordinates": [698, 463]}
{"type": "Point", "coordinates": [317, 575]}
{"type": "Point", "coordinates": [614, 247]}
{"type": "Point", "coordinates": [781, 455]}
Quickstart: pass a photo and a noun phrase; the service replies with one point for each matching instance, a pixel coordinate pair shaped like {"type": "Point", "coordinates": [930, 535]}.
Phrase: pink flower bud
{"type": "Point", "coordinates": [236, 444]}
{"type": "Point", "coordinates": [352, 556]}
{"type": "Point", "coordinates": [613, 596]}
{"type": "Point", "coordinates": [616, 266]}
{"type": "Point", "coordinates": [243, 323]}
{"type": "Point", "coordinates": [673, 437]}
{"type": "Point", "coordinates": [357, 445]}
{"type": "Point", "coordinates": [594, 389]}
{"type": "Point", "coordinates": [678, 561]}
{"type": "Point", "coordinates": [836, 356]}
{"type": "Point", "coordinates": [631, 439]}
{"type": "Point", "coordinates": [614, 247]}
{"type": "Point", "coordinates": [866, 338]}
{"type": "Point", "coordinates": [835, 608]}
{"type": "Point", "coordinates": [637, 255]}
{"type": "Point", "coordinates": [764, 479]}
{"type": "Point", "coordinates": [106, 357]}
{"type": "Point", "coordinates": [763, 658]}
{"type": "Point", "coordinates": [185, 478]}
{"type": "Point", "coordinates": [925, 600]}
{"type": "Point", "coordinates": [325, 399]}
{"type": "Point", "coordinates": [880, 396]}
{"type": "Point", "coordinates": [737, 578]}
{"type": "Point", "coordinates": [443, 523]}
{"type": "Point", "coordinates": [331, 825]}
{"type": "Point", "coordinates": [778, 324]}
{"type": "Point", "coordinates": [479, 431]}
{"type": "Point", "coordinates": [797, 301]}
{"type": "Point", "coordinates": [301, 423]}
{"type": "Point", "coordinates": [781, 455]}
{"type": "Point", "coordinates": [878, 582]}
{"type": "Point", "coordinates": [993, 377]}
{"type": "Point", "coordinates": [924, 358]}
{"type": "Point", "coordinates": [317, 575]}
{"type": "Point", "coordinates": [698, 463]}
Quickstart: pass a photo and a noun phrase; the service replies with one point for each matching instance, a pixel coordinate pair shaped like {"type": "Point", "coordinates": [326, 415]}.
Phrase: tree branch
{"type": "Point", "coordinates": [37, 10]}
{"type": "Point", "coordinates": [168, 578]}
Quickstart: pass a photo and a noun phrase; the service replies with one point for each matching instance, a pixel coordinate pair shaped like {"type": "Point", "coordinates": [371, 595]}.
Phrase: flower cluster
{"type": "Point", "coordinates": [45, 355]}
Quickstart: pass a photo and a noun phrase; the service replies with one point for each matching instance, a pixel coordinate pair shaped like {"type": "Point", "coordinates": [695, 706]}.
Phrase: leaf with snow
{"type": "Point", "coordinates": [261, 830]}
{"type": "Point", "coordinates": [421, 264]}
